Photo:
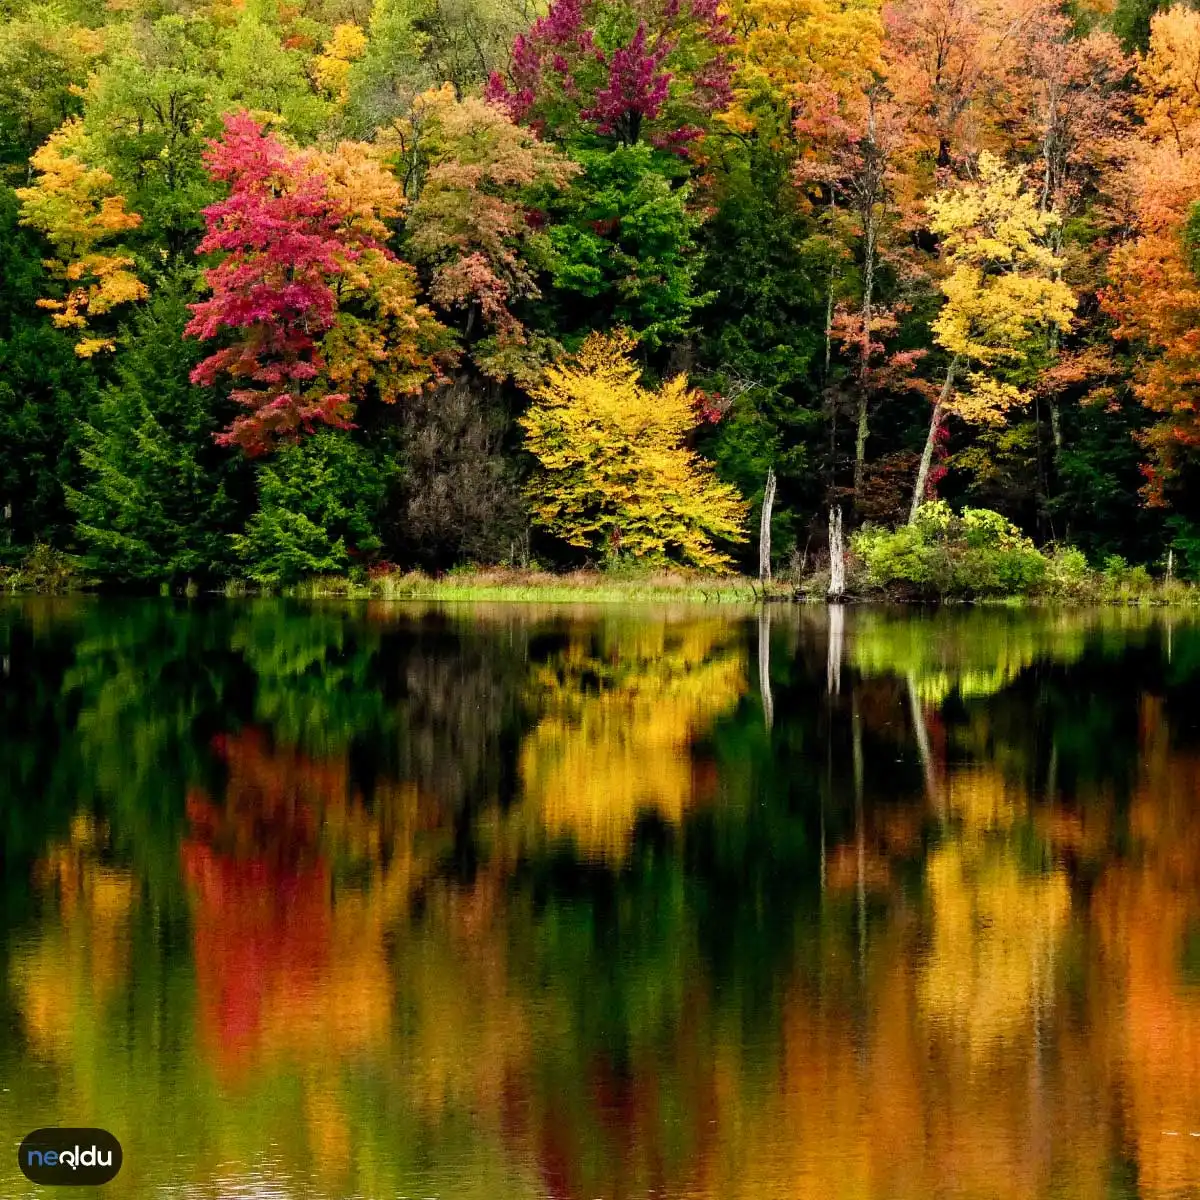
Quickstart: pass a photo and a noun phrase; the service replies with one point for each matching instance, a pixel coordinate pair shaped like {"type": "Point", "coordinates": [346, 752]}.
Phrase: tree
{"type": "Point", "coordinates": [625, 251]}
{"type": "Point", "coordinates": [319, 307]}
{"type": "Point", "coordinates": [159, 499]}
{"type": "Point", "coordinates": [1003, 288]}
{"type": "Point", "coordinates": [1154, 293]}
{"type": "Point", "coordinates": [852, 142]}
{"type": "Point", "coordinates": [473, 224]}
{"type": "Point", "coordinates": [788, 49]}
{"type": "Point", "coordinates": [655, 71]}
{"type": "Point", "coordinates": [75, 206]}
{"type": "Point", "coordinates": [318, 510]}
{"type": "Point", "coordinates": [616, 475]}
{"type": "Point", "coordinates": [44, 387]}
{"type": "Point", "coordinates": [146, 112]}
{"type": "Point", "coordinates": [1168, 77]}
{"type": "Point", "coordinates": [460, 500]}
{"type": "Point", "coordinates": [44, 62]}
{"type": "Point", "coordinates": [947, 60]}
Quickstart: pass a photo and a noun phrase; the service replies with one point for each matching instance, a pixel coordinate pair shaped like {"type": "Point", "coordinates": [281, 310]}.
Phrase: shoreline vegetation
{"type": "Point", "coordinates": [1057, 577]}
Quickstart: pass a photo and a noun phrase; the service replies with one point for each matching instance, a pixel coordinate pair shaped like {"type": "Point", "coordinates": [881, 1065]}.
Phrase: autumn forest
{"type": "Point", "coordinates": [327, 287]}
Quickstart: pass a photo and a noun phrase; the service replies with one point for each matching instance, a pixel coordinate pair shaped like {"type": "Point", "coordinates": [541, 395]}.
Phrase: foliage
{"type": "Point", "coordinates": [318, 510]}
{"type": "Point", "coordinates": [73, 204]}
{"type": "Point", "coordinates": [1154, 297]}
{"type": "Point", "coordinates": [302, 235]}
{"type": "Point", "coordinates": [44, 569]}
{"type": "Point", "coordinates": [44, 387]}
{"type": "Point", "coordinates": [844, 221]}
{"type": "Point", "coordinates": [625, 249]}
{"type": "Point", "coordinates": [471, 224]}
{"type": "Point", "coordinates": [654, 71]}
{"type": "Point", "coordinates": [943, 554]}
{"type": "Point", "coordinates": [616, 476]}
{"type": "Point", "coordinates": [160, 498]}
{"type": "Point", "coordinates": [1003, 286]}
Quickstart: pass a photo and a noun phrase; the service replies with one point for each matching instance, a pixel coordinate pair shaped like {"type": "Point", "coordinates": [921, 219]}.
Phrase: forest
{"type": "Point", "coordinates": [293, 288]}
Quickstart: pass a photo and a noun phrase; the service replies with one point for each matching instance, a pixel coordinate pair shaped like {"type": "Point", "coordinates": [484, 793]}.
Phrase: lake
{"type": "Point", "coordinates": [504, 902]}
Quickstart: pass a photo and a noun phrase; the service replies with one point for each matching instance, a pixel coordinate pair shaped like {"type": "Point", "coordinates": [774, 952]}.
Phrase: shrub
{"type": "Point", "coordinates": [943, 554]}
{"type": "Point", "coordinates": [44, 569]}
{"type": "Point", "coordinates": [1067, 572]}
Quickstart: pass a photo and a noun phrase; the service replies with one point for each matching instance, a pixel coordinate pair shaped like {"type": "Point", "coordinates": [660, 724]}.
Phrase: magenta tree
{"type": "Point", "coordinates": [653, 70]}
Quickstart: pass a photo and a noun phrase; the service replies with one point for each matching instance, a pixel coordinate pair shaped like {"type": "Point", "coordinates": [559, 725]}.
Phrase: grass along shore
{"type": "Point", "coordinates": [1065, 580]}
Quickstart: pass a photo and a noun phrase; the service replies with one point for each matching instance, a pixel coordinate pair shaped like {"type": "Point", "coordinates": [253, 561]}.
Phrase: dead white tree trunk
{"type": "Point", "coordinates": [764, 528]}
{"type": "Point", "coordinates": [935, 422]}
{"type": "Point", "coordinates": [837, 554]}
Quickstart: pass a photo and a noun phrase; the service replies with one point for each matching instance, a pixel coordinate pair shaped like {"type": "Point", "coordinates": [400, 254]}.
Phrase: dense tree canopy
{"type": "Point", "coordinates": [880, 250]}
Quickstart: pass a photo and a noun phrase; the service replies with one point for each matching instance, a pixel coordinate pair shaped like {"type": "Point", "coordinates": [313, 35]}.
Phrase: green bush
{"type": "Point", "coordinates": [1068, 573]}
{"type": "Point", "coordinates": [44, 569]}
{"type": "Point", "coordinates": [944, 554]}
{"type": "Point", "coordinates": [1119, 581]}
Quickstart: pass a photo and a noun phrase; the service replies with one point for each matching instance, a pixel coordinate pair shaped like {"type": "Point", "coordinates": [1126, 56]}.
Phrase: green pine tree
{"type": "Point", "coordinates": [318, 510]}
{"type": "Point", "coordinates": [161, 498]}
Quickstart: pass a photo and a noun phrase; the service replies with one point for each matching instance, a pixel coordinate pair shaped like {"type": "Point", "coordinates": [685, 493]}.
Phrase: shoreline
{"type": "Point", "coordinates": [514, 585]}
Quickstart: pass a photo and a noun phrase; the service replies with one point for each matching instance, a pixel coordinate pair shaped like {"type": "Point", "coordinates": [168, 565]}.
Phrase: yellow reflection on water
{"type": "Point", "coordinates": [620, 713]}
{"type": "Point", "coordinates": [79, 962]}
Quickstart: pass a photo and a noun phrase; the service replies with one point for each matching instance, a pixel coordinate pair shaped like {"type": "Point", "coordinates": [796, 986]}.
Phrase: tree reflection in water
{"type": "Point", "coordinates": [497, 901]}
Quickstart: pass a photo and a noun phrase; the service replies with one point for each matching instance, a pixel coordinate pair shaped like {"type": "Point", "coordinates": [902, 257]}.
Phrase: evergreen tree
{"type": "Point", "coordinates": [43, 387]}
{"type": "Point", "coordinates": [319, 502]}
{"type": "Point", "coordinates": [161, 497]}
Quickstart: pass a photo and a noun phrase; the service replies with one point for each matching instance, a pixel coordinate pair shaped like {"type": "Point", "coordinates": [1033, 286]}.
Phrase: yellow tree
{"type": "Point", "coordinates": [788, 49]}
{"type": "Point", "coordinates": [1168, 77]}
{"type": "Point", "coordinates": [346, 45]}
{"type": "Point", "coordinates": [1003, 290]}
{"type": "Point", "coordinates": [74, 205]}
{"type": "Point", "coordinates": [615, 472]}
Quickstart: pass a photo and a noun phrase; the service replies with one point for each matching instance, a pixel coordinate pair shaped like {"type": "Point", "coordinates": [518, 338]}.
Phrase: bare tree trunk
{"type": "Point", "coordinates": [862, 432]}
{"type": "Point", "coordinates": [837, 554]}
{"type": "Point", "coordinates": [864, 365]}
{"type": "Point", "coordinates": [927, 455]}
{"type": "Point", "coordinates": [828, 329]}
{"type": "Point", "coordinates": [764, 665]}
{"type": "Point", "coordinates": [764, 528]}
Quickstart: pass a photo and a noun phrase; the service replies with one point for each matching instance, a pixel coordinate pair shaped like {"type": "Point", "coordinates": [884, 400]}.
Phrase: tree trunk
{"type": "Point", "coordinates": [764, 528]}
{"type": "Point", "coordinates": [860, 445]}
{"type": "Point", "coordinates": [864, 362]}
{"type": "Point", "coordinates": [837, 554]}
{"type": "Point", "coordinates": [927, 455]}
{"type": "Point", "coordinates": [828, 330]}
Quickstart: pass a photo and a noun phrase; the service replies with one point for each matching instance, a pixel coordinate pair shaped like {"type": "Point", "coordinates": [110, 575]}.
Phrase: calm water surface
{"type": "Point", "coordinates": [515, 902]}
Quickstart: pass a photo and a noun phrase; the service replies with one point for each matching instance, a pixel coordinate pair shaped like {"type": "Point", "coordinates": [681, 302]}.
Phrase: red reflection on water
{"type": "Point", "coordinates": [262, 915]}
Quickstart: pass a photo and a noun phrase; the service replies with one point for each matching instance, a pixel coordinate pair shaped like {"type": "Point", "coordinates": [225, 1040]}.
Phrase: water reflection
{"type": "Point", "coordinates": [379, 901]}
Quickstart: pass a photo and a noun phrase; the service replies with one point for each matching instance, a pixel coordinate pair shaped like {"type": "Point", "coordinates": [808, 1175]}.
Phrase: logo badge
{"type": "Point", "coordinates": [69, 1157]}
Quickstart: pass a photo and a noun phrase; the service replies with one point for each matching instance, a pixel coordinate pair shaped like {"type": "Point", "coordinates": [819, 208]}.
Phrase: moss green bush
{"type": "Point", "coordinates": [944, 554]}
